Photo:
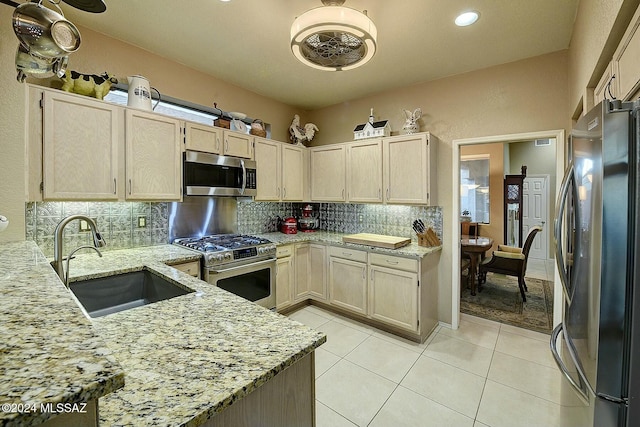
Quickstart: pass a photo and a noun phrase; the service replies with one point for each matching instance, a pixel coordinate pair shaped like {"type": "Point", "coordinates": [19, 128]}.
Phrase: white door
{"type": "Point", "coordinates": [535, 195]}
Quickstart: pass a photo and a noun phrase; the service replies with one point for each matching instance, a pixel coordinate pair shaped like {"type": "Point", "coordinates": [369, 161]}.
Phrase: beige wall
{"type": "Point", "coordinates": [524, 96]}
{"type": "Point", "coordinates": [495, 228]}
{"type": "Point", "coordinates": [12, 123]}
{"type": "Point", "coordinates": [99, 53]}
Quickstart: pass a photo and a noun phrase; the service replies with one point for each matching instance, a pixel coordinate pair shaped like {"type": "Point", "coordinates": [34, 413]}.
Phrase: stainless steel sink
{"type": "Point", "coordinates": [107, 295]}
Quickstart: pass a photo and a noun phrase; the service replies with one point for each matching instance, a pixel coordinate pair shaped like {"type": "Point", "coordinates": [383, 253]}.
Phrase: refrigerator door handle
{"type": "Point", "coordinates": [557, 228]}
{"type": "Point", "coordinates": [556, 356]}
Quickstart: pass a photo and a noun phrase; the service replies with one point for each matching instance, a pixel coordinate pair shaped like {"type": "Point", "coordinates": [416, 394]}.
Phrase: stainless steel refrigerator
{"type": "Point", "coordinates": [597, 345]}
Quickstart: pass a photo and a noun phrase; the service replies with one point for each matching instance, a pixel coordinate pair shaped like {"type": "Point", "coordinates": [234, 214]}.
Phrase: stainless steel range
{"type": "Point", "coordinates": [241, 264]}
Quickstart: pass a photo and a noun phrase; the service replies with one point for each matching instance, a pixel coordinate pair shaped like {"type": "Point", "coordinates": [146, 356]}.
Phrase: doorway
{"type": "Point", "coordinates": [559, 136]}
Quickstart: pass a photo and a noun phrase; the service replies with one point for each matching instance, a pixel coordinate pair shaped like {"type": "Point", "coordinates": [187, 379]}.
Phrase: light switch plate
{"type": "Point", "coordinates": [142, 221]}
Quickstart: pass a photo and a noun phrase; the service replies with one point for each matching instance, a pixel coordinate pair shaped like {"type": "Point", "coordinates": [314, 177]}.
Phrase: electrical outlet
{"type": "Point", "coordinates": [142, 221]}
{"type": "Point", "coordinates": [360, 218]}
{"type": "Point", "coordinates": [84, 225]}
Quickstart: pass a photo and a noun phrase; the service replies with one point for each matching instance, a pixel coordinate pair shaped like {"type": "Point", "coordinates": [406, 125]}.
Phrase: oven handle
{"type": "Point", "coordinates": [255, 264]}
{"type": "Point", "coordinates": [244, 177]}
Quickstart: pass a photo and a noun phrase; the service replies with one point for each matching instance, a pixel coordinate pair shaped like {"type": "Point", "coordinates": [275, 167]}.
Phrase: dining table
{"type": "Point", "coordinates": [475, 248]}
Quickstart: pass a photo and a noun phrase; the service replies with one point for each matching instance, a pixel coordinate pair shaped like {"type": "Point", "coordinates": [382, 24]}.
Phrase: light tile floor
{"type": "Point", "coordinates": [483, 374]}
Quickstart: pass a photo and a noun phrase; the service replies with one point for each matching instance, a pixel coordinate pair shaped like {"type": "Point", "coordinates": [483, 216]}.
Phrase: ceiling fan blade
{"type": "Point", "coordinates": [94, 6]}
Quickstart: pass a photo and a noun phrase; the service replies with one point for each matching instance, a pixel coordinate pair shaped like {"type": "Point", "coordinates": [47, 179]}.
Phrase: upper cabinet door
{"type": "Point", "coordinates": [203, 138]}
{"type": "Point", "coordinates": [154, 157]}
{"type": "Point", "coordinates": [238, 144]}
{"type": "Point", "coordinates": [364, 172]}
{"type": "Point", "coordinates": [268, 154]}
{"type": "Point", "coordinates": [292, 173]}
{"type": "Point", "coordinates": [408, 169]}
{"type": "Point", "coordinates": [626, 60]}
{"type": "Point", "coordinates": [328, 173]}
{"type": "Point", "coordinates": [80, 148]}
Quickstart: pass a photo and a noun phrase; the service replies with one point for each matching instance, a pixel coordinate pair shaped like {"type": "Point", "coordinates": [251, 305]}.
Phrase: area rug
{"type": "Point", "coordinates": [500, 300]}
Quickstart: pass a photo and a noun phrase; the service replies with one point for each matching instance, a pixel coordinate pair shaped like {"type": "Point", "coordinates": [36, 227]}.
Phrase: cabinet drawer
{"type": "Point", "coordinates": [191, 268]}
{"type": "Point", "coordinates": [348, 253]}
{"type": "Point", "coordinates": [283, 251]}
{"type": "Point", "coordinates": [394, 262]}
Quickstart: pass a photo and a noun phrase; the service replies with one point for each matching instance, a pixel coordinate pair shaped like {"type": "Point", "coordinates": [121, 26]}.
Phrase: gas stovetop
{"type": "Point", "coordinates": [221, 249]}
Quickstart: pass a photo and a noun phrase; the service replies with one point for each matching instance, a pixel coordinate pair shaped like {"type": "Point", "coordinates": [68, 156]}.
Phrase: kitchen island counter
{"type": "Point", "coordinates": [188, 358]}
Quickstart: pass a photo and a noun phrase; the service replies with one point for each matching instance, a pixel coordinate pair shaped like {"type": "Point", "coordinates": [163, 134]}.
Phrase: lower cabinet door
{"type": "Point", "coordinates": [318, 272]}
{"type": "Point", "coordinates": [283, 283]}
{"type": "Point", "coordinates": [393, 297]}
{"type": "Point", "coordinates": [348, 285]}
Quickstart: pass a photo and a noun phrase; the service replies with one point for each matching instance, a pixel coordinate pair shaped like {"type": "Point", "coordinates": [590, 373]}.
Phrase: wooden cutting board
{"type": "Point", "coordinates": [378, 240]}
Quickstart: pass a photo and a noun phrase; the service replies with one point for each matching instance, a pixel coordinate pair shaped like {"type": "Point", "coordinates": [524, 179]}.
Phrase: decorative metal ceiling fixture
{"type": "Point", "coordinates": [333, 37]}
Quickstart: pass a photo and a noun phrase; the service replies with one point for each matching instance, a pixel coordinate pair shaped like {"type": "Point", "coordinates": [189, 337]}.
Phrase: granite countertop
{"type": "Point", "coordinates": [49, 352]}
{"type": "Point", "coordinates": [413, 250]}
{"type": "Point", "coordinates": [188, 357]}
{"type": "Point", "coordinates": [183, 359]}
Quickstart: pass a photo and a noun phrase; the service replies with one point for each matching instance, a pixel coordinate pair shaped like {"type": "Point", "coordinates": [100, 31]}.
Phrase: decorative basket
{"type": "Point", "coordinates": [222, 123]}
{"type": "Point", "coordinates": [258, 132]}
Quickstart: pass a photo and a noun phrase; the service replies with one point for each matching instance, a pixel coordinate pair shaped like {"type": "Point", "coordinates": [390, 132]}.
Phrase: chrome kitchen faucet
{"type": "Point", "coordinates": [98, 242]}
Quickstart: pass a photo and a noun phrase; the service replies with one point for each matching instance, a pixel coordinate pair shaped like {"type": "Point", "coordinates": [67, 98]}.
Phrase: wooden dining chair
{"type": "Point", "coordinates": [510, 260]}
{"type": "Point", "coordinates": [469, 229]}
{"type": "Point", "coordinates": [465, 265]}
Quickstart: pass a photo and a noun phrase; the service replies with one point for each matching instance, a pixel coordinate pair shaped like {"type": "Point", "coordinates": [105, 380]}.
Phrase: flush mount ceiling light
{"type": "Point", "coordinates": [467, 18]}
{"type": "Point", "coordinates": [333, 37]}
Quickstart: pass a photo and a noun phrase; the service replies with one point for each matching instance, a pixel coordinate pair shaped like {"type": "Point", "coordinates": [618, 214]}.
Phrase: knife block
{"type": "Point", "coordinates": [428, 239]}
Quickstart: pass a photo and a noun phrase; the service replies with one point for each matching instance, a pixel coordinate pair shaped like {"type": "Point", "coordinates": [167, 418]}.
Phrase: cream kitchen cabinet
{"type": "Point", "coordinates": [606, 87]}
{"type": "Point", "coordinates": [192, 268]}
{"type": "Point", "coordinates": [626, 60]}
{"type": "Point", "coordinates": [153, 156]}
{"type": "Point", "coordinates": [85, 149]}
{"type": "Point", "coordinates": [348, 279]}
{"type": "Point", "coordinates": [74, 147]}
{"type": "Point", "coordinates": [409, 165]}
{"type": "Point", "coordinates": [281, 171]}
{"type": "Point", "coordinates": [364, 171]}
{"type": "Point", "coordinates": [328, 173]}
{"type": "Point", "coordinates": [237, 144]}
{"type": "Point", "coordinates": [199, 137]}
{"type": "Point", "coordinates": [284, 276]}
{"type": "Point", "coordinates": [310, 272]}
{"type": "Point", "coordinates": [394, 291]}
{"type": "Point", "coordinates": [215, 140]}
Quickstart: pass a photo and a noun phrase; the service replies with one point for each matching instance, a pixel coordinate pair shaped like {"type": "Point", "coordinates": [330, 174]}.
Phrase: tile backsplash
{"type": "Point", "coordinates": [396, 220]}
{"type": "Point", "coordinates": [118, 221]}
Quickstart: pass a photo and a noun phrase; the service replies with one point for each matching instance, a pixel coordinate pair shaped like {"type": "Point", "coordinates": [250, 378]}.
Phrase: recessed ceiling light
{"type": "Point", "coordinates": [467, 18]}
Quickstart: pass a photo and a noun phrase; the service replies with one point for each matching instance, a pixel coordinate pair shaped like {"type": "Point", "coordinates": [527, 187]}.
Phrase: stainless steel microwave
{"type": "Point", "coordinates": [208, 174]}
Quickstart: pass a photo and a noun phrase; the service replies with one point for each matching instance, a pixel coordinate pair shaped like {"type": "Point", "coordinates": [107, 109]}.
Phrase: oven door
{"type": "Point", "coordinates": [254, 282]}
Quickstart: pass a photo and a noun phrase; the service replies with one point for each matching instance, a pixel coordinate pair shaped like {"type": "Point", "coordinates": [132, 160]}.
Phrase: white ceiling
{"type": "Point", "coordinates": [246, 42]}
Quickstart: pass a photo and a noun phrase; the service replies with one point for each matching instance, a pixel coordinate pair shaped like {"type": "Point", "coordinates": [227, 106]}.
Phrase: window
{"type": "Point", "coordinates": [170, 107]}
{"type": "Point", "coordinates": [474, 188]}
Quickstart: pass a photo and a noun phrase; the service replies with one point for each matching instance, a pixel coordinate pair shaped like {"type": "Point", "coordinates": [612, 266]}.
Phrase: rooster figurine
{"type": "Point", "coordinates": [300, 134]}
